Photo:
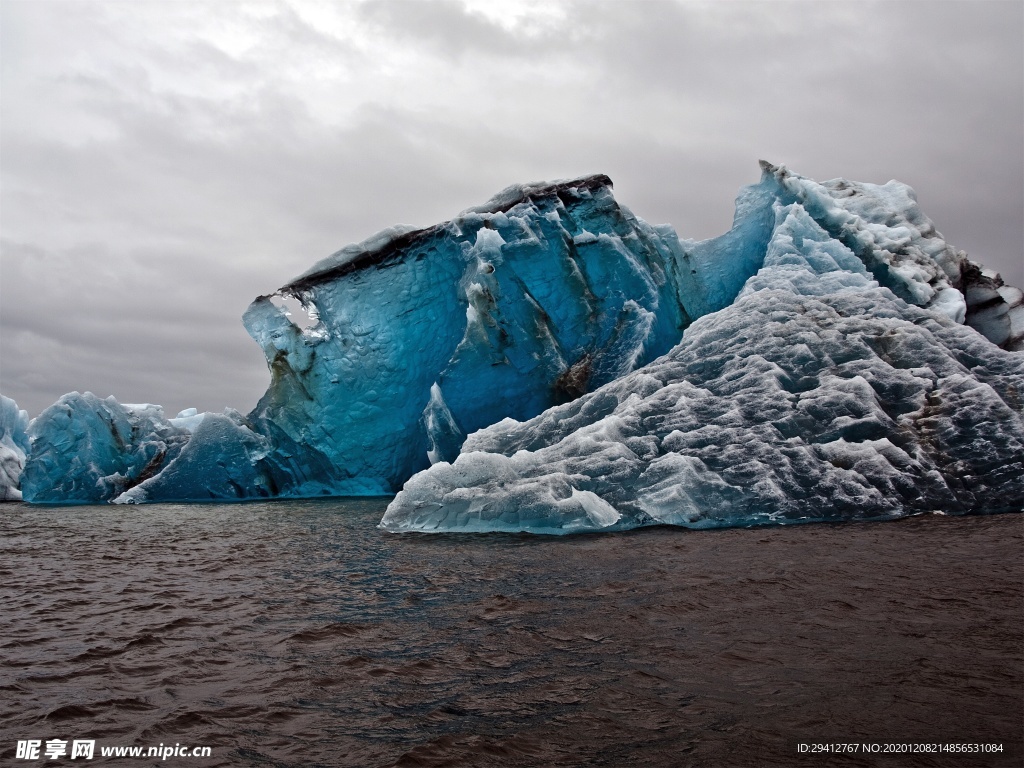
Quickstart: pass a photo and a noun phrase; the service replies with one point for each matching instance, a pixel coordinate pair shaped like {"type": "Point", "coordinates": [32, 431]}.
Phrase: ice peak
{"type": "Point", "coordinates": [514, 194]}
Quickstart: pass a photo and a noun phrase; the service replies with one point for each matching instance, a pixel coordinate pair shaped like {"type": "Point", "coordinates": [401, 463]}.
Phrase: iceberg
{"type": "Point", "coordinates": [14, 445]}
{"type": "Point", "coordinates": [838, 384]}
{"type": "Point", "coordinates": [416, 338]}
{"type": "Point", "coordinates": [540, 325]}
{"type": "Point", "coordinates": [221, 461]}
{"type": "Point", "coordinates": [84, 449]}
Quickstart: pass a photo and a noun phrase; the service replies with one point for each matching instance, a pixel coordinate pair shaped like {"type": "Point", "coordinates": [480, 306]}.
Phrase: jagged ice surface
{"type": "Point", "coordinates": [817, 395]}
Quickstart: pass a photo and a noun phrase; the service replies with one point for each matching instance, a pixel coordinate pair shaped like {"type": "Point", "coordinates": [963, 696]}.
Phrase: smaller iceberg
{"type": "Point", "coordinates": [14, 445]}
{"type": "Point", "coordinates": [86, 450]}
{"type": "Point", "coordinates": [221, 461]}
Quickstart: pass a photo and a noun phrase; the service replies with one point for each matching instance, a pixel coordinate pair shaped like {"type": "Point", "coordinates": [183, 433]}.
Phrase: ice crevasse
{"type": "Point", "coordinates": [554, 308]}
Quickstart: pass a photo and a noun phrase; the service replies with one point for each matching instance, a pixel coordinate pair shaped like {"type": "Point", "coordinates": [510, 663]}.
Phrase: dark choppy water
{"type": "Point", "coordinates": [296, 634]}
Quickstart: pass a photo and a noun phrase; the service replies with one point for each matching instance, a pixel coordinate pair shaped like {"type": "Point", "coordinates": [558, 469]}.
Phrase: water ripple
{"type": "Point", "coordinates": [297, 634]}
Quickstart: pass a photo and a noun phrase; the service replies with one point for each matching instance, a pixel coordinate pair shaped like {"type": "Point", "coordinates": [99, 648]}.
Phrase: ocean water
{"type": "Point", "coordinates": [297, 634]}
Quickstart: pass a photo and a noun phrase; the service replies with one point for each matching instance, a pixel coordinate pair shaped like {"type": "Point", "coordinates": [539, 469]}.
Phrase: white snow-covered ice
{"type": "Point", "coordinates": [817, 394]}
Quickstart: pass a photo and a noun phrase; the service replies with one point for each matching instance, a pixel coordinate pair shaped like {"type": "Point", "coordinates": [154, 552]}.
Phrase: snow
{"type": "Point", "coordinates": [189, 419]}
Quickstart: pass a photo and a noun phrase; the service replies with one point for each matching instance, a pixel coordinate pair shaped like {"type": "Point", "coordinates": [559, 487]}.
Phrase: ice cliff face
{"type": "Point", "coordinates": [512, 310]}
{"type": "Point", "coordinates": [422, 337]}
{"type": "Point", "coordinates": [839, 384]}
{"type": "Point", "coordinates": [13, 447]}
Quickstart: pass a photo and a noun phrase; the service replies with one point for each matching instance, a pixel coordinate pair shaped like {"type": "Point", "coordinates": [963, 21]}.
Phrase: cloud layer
{"type": "Point", "coordinates": [163, 163]}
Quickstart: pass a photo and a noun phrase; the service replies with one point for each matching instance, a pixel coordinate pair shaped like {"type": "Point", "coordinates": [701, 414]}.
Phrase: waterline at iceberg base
{"type": "Point", "coordinates": [830, 357]}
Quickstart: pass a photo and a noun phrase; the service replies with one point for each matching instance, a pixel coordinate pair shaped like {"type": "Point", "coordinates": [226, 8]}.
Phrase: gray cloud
{"type": "Point", "coordinates": [164, 163]}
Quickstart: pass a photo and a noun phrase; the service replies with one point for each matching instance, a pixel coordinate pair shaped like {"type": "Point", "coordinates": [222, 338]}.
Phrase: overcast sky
{"type": "Point", "coordinates": [163, 163]}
